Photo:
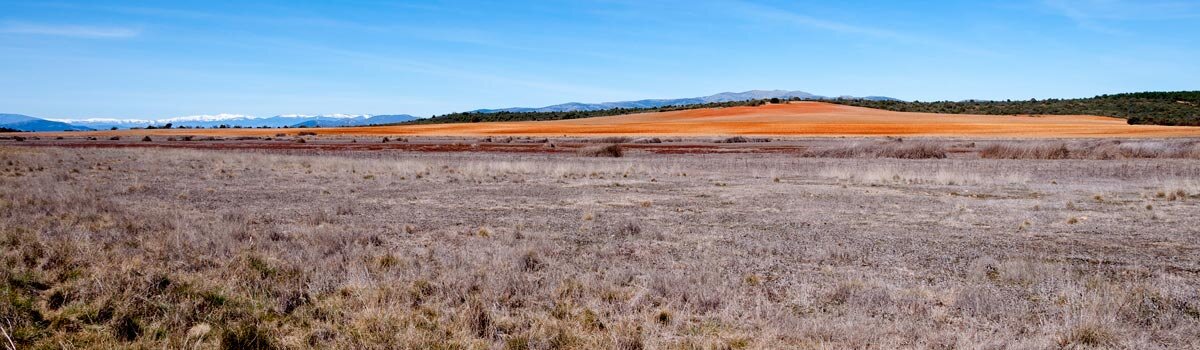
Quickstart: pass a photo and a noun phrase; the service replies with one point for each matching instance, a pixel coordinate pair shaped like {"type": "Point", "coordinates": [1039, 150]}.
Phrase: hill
{"type": "Point", "coordinates": [1180, 108]}
{"type": "Point", "coordinates": [656, 103]}
{"type": "Point", "coordinates": [14, 118]}
{"type": "Point", "coordinates": [27, 123]}
{"type": "Point", "coordinates": [511, 116]}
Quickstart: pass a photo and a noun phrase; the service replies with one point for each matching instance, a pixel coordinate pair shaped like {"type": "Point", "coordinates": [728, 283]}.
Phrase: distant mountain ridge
{"type": "Point", "coordinates": [27, 123]}
{"type": "Point", "coordinates": [655, 103]}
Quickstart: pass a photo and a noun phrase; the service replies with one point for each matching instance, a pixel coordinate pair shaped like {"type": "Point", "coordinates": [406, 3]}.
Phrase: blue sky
{"type": "Point", "coordinates": [142, 59]}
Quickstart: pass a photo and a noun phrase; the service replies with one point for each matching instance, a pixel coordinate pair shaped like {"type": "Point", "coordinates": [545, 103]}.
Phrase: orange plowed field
{"type": "Point", "coordinates": [792, 119]}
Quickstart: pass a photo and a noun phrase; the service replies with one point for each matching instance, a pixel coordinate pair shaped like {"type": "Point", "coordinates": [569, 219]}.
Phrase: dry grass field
{"type": "Point", "coordinates": [789, 119]}
{"type": "Point", "coordinates": [844, 244]}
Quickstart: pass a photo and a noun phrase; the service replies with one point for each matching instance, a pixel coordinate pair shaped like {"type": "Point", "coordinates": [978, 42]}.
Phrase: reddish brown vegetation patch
{"type": "Point", "coordinates": [317, 145]}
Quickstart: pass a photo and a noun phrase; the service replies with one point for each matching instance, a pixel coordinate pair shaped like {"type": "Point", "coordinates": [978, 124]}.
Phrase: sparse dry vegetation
{"type": "Point", "coordinates": [1099, 150]}
{"type": "Point", "coordinates": [610, 150]}
{"type": "Point", "coordinates": [610, 139]}
{"type": "Point", "coordinates": [646, 140]}
{"type": "Point", "coordinates": [935, 174]}
{"type": "Point", "coordinates": [162, 248]}
{"type": "Point", "coordinates": [741, 139]}
{"type": "Point", "coordinates": [888, 149]}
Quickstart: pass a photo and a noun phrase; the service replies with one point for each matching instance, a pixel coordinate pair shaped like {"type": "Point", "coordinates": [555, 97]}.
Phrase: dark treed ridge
{"type": "Point", "coordinates": [477, 117]}
{"type": "Point", "coordinates": [1180, 108]}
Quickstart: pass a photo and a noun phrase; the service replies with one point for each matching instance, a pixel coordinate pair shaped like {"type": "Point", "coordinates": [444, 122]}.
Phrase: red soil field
{"type": "Point", "coordinates": [790, 119]}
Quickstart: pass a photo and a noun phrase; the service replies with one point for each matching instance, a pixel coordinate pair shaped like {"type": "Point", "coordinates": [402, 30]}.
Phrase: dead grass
{"type": "Point", "coordinates": [935, 175]}
{"type": "Point", "coordinates": [159, 248]}
{"type": "Point", "coordinates": [1098, 150]}
{"type": "Point", "coordinates": [741, 139]}
{"type": "Point", "coordinates": [890, 149]}
{"type": "Point", "coordinates": [1027, 151]}
{"type": "Point", "coordinates": [610, 140]}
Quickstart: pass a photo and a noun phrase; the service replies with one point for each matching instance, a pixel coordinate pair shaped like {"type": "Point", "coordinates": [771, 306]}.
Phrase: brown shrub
{"type": "Point", "coordinates": [630, 338]}
{"type": "Point", "coordinates": [912, 150]}
{"type": "Point", "coordinates": [613, 150]}
{"type": "Point", "coordinates": [478, 319]}
{"type": "Point", "coordinates": [1025, 151]}
{"type": "Point", "coordinates": [611, 139]}
{"type": "Point", "coordinates": [1091, 335]}
{"type": "Point", "coordinates": [530, 262]}
{"type": "Point", "coordinates": [901, 150]}
{"type": "Point", "coordinates": [307, 133]}
{"type": "Point", "coordinates": [1150, 149]}
{"type": "Point", "coordinates": [741, 139]}
{"type": "Point", "coordinates": [246, 336]}
{"type": "Point", "coordinates": [627, 229]}
{"type": "Point", "coordinates": [1103, 150]}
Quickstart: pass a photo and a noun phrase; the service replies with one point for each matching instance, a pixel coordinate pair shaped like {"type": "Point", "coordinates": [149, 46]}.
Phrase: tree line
{"type": "Point", "coordinates": [508, 116]}
{"type": "Point", "coordinates": [1158, 108]}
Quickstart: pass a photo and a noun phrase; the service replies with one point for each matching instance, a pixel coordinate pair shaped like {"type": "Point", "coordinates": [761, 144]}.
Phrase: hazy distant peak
{"type": "Point", "coordinates": [655, 103]}
{"type": "Point", "coordinates": [102, 120]}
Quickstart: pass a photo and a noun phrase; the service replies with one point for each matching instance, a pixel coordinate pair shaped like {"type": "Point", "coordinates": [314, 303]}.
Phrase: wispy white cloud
{"type": "Point", "coordinates": [77, 31]}
{"type": "Point", "coordinates": [1097, 15]}
{"type": "Point", "coordinates": [447, 34]}
{"type": "Point", "coordinates": [1123, 10]}
{"type": "Point", "coordinates": [776, 14]}
{"type": "Point", "coordinates": [442, 69]}
{"type": "Point", "coordinates": [765, 13]}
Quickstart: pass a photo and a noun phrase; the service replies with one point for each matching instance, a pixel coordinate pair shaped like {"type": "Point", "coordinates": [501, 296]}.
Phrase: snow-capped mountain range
{"type": "Point", "coordinates": [216, 120]}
